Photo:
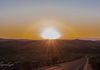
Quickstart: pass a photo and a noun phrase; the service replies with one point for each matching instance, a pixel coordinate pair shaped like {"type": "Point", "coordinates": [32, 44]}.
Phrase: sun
{"type": "Point", "coordinates": [50, 33]}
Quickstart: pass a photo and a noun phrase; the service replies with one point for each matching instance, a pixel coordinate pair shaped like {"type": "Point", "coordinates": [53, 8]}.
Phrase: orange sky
{"type": "Point", "coordinates": [33, 29]}
{"type": "Point", "coordinates": [73, 19]}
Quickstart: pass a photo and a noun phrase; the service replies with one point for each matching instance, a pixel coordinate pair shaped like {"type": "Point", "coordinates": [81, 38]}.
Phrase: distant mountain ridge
{"type": "Point", "coordinates": [79, 45]}
{"type": "Point", "coordinates": [36, 50]}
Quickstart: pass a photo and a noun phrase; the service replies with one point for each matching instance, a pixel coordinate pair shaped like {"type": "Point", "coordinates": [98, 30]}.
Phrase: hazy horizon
{"type": "Point", "coordinates": [74, 19]}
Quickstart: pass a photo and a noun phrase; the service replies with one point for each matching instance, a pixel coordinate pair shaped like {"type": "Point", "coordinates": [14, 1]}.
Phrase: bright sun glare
{"type": "Point", "coordinates": [50, 33]}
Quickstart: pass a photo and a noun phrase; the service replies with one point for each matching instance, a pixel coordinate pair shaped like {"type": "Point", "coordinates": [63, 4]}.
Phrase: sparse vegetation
{"type": "Point", "coordinates": [32, 54]}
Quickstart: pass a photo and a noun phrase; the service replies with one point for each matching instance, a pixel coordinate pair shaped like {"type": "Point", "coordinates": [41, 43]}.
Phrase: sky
{"type": "Point", "coordinates": [74, 19]}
